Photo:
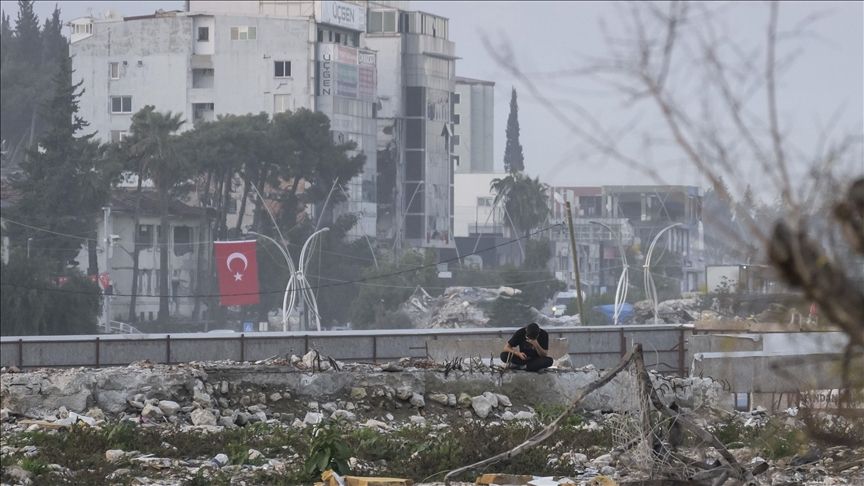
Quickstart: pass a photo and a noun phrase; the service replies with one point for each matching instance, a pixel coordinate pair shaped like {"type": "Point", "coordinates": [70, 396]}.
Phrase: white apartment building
{"type": "Point", "coordinates": [215, 60]}
{"type": "Point", "coordinates": [473, 126]}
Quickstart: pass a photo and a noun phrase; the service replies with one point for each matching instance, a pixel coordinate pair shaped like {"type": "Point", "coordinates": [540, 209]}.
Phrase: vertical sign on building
{"type": "Point", "coordinates": [366, 74]}
{"type": "Point", "coordinates": [326, 58]}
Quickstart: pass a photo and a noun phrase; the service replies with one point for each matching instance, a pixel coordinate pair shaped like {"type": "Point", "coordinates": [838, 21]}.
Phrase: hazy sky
{"type": "Point", "coordinates": [546, 36]}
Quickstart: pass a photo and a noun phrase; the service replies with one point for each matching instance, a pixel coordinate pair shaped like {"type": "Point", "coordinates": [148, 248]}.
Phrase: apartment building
{"type": "Point", "coordinates": [473, 126]}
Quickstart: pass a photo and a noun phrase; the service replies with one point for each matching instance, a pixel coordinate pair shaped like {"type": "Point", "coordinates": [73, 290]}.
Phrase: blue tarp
{"type": "Point", "coordinates": [608, 310]}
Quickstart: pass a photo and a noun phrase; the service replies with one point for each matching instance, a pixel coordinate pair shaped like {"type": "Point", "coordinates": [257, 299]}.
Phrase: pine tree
{"type": "Point", "coordinates": [66, 179]}
{"type": "Point", "coordinates": [514, 160]}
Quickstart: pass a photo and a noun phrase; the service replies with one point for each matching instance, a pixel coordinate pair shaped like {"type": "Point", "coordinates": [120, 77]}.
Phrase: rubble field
{"type": "Point", "coordinates": [258, 423]}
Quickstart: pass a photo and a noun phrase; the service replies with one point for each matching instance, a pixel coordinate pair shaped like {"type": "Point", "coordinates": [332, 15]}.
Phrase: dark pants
{"type": "Point", "coordinates": [532, 364]}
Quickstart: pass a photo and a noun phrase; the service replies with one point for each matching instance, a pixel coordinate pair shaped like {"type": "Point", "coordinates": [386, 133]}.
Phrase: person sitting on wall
{"type": "Point", "coordinates": [528, 349]}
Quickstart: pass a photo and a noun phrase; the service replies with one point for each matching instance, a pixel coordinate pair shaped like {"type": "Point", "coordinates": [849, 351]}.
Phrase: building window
{"type": "Point", "coordinates": [83, 29]}
{"type": "Point", "coordinates": [457, 119]}
{"type": "Point", "coordinates": [243, 33]}
{"type": "Point", "coordinates": [282, 69]}
{"type": "Point", "coordinates": [338, 38]}
{"type": "Point", "coordinates": [203, 78]}
{"type": "Point", "coordinates": [121, 104]}
{"type": "Point", "coordinates": [182, 240]}
{"type": "Point", "coordinates": [114, 70]}
{"type": "Point", "coordinates": [457, 98]}
{"type": "Point", "coordinates": [231, 208]}
{"type": "Point", "coordinates": [144, 236]}
{"type": "Point", "coordinates": [456, 140]}
{"type": "Point", "coordinates": [281, 103]}
{"type": "Point", "coordinates": [455, 159]}
{"type": "Point", "coordinates": [203, 112]}
{"type": "Point", "coordinates": [320, 35]}
{"type": "Point", "coordinates": [203, 34]}
{"type": "Point", "coordinates": [118, 136]}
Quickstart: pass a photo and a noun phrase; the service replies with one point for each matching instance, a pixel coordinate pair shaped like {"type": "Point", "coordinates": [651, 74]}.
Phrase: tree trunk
{"type": "Point", "coordinates": [92, 258]}
{"type": "Point", "coordinates": [226, 196]}
{"type": "Point", "coordinates": [164, 288]}
{"type": "Point", "coordinates": [246, 188]}
{"type": "Point", "coordinates": [133, 315]}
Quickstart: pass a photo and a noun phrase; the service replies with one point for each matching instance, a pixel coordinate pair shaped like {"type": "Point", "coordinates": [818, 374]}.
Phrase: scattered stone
{"type": "Point", "coordinates": [525, 416]}
{"type": "Point", "coordinates": [417, 400]}
{"type": "Point", "coordinates": [151, 412]}
{"type": "Point", "coordinates": [114, 455]}
{"type": "Point", "coordinates": [96, 413]}
{"type": "Point", "coordinates": [202, 417]}
{"type": "Point", "coordinates": [451, 400]}
{"type": "Point", "coordinates": [375, 424]}
{"type": "Point", "coordinates": [275, 397]}
{"type": "Point", "coordinates": [508, 416]}
{"type": "Point", "coordinates": [417, 420]}
{"type": "Point", "coordinates": [503, 400]}
{"type": "Point", "coordinates": [392, 367]}
{"type": "Point", "coordinates": [220, 460]}
{"type": "Point", "coordinates": [438, 398]}
{"type": "Point", "coordinates": [254, 455]}
{"type": "Point", "coordinates": [481, 406]}
{"type": "Point", "coordinates": [404, 393]}
{"type": "Point", "coordinates": [464, 400]}
{"type": "Point", "coordinates": [329, 407]}
{"type": "Point", "coordinates": [492, 398]}
{"type": "Point", "coordinates": [601, 461]}
{"type": "Point", "coordinates": [313, 418]}
{"type": "Point", "coordinates": [358, 393]}
{"type": "Point", "coordinates": [168, 407]}
{"type": "Point", "coordinates": [18, 473]}
{"type": "Point", "coordinates": [313, 406]}
{"type": "Point", "coordinates": [345, 415]}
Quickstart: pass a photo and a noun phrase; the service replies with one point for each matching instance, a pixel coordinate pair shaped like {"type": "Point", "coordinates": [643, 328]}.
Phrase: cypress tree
{"type": "Point", "coordinates": [514, 160]}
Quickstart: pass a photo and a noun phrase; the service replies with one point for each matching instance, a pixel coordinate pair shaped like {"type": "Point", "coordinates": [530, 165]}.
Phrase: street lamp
{"type": "Point", "coordinates": [650, 288]}
{"type": "Point", "coordinates": [623, 280]}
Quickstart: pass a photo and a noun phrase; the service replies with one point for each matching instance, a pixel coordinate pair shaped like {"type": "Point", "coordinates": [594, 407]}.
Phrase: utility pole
{"type": "Point", "coordinates": [106, 300]}
{"type": "Point", "coordinates": [575, 264]}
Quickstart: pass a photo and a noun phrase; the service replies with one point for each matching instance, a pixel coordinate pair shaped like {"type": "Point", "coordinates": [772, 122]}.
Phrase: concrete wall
{"type": "Point", "coordinates": [601, 346]}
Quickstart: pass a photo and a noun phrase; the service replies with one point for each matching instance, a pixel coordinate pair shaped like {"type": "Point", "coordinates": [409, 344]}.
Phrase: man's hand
{"type": "Point", "coordinates": [521, 355]}
{"type": "Point", "coordinates": [534, 344]}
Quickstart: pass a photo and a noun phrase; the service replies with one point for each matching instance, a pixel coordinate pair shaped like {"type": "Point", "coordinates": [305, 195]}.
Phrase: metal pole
{"type": "Point", "coordinates": [106, 311]}
{"type": "Point", "coordinates": [575, 264]}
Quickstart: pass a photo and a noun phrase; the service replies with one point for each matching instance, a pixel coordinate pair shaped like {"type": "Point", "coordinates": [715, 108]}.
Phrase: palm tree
{"type": "Point", "coordinates": [151, 150]}
{"type": "Point", "coordinates": [525, 201]}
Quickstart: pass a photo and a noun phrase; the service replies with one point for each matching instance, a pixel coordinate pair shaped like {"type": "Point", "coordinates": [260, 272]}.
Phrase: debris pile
{"type": "Point", "coordinates": [676, 311]}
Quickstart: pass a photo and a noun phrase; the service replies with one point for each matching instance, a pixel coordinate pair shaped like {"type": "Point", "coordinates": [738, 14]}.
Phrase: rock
{"type": "Point", "coordinates": [344, 415]}
{"type": "Point", "coordinates": [492, 398]}
{"type": "Point", "coordinates": [114, 455]}
{"type": "Point", "coordinates": [503, 400]}
{"type": "Point", "coordinates": [151, 412]}
{"type": "Point", "coordinates": [202, 417]}
{"type": "Point", "coordinates": [451, 400]}
{"type": "Point", "coordinates": [392, 367]}
{"type": "Point", "coordinates": [375, 424]}
{"type": "Point", "coordinates": [404, 393]}
{"type": "Point", "coordinates": [227, 421]}
{"type": "Point", "coordinates": [481, 405]}
{"type": "Point", "coordinates": [4, 415]}
{"type": "Point", "coordinates": [313, 418]}
{"type": "Point", "coordinates": [528, 416]}
{"type": "Point", "coordinates": [563, 363]}
{"type": "Point", "coordinates": [96, 413]}
{"type": "Point", "coordinates": [242, 418]}
{"type": "Point", "coordinates": [602, 461]}
{"type": "Point", "coordinates": [313, 406]}
{"type": "Point", "coordinates": [438, 398]}
{"type": "Point", "coordinates": [464, 400]}
{"type": "Point", "coordinates": [417, 400]}
{"type": "Point", "coordinates": [577, 459]}
{"type": "Point", "coordinates": [254, 455]}
{"type": "Point", "coordinates": [389, 417]}
{"type": "Point", "coordinates": [297, 424]}
{"type": "Point", "coordinates": [201, 398]}
{"type": "Point", "coordinates": [607, 471]}
{"type": "Point", "coordinates": [329, 407]}
{"type": "Point", "coordinates": [168, 407]}
{"type": "Point", "coordinates": [220, 460]}
{"type": "Point", "coordinates": [18, 473]}
{"type": "Point", "coordinates": [358, 393]}
{"type": "Point", "coordinates": [508, 416]}
{"type": "Point", "coordinates": [417, 420]}
{"type": "Point", "coordinates": [349, 406]}
{"type": "Point", "coordinates": [275, 397]}
{"type": "Point", "coordinates": [223, 387]}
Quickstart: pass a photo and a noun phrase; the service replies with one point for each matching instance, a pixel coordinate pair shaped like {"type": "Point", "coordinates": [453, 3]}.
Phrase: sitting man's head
{"type": "Point", "coordinates": [532, 330]}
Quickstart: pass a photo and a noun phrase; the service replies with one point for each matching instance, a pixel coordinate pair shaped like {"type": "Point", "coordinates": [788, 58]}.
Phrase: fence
{"type": "Point", "coordinates": [665, 346]}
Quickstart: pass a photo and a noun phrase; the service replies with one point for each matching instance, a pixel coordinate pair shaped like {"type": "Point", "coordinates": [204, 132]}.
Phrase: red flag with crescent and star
{"type": "Point", "coordinates": [237, 266]}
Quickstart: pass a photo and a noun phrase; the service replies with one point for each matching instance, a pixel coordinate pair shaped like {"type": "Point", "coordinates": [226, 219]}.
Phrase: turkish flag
{"type": "Point", "coordinates": [237, 266]}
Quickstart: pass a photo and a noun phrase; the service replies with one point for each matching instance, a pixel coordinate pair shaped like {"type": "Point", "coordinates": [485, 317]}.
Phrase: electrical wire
{"type": "Point", "coordinates": [280, 291]}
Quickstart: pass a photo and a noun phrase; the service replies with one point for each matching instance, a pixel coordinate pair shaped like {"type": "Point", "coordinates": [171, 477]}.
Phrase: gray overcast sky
{"type": "Point", "coordinates": [545, 36]}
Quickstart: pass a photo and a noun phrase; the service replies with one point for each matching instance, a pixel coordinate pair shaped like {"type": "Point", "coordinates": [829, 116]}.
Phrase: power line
{"type": "Point", "coordinates": [280, 291]}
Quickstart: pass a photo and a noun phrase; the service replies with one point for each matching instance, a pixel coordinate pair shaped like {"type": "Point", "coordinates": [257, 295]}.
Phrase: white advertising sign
{"type": "Point", "coordinates": [343, 14]}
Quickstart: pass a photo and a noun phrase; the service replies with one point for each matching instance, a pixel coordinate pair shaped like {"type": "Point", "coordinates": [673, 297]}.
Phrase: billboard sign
{"type": "Point", "coordinates": [342, 14]}
{"type": "Point", "coordinates": [346, 72]}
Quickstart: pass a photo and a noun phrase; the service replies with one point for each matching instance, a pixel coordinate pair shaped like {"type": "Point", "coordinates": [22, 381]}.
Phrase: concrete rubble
{"type": "Point", "coordinates": [284, 392]}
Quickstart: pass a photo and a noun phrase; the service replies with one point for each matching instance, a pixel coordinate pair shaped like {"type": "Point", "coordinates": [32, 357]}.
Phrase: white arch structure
{"type": "Point", "coordinates": [623, 280]}
{"type": "Point", "coordinates": [650, 288]}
